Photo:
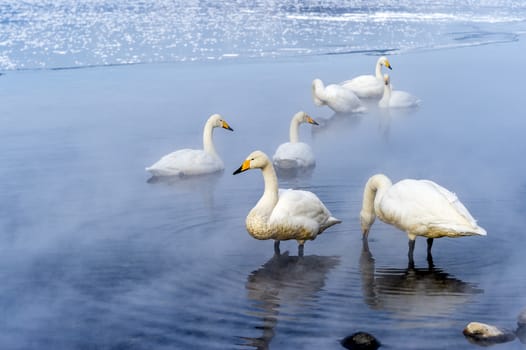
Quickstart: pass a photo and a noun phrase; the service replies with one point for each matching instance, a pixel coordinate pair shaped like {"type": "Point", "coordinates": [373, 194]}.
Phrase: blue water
{"type": "Point", "coordinates": [93, 256]}
{"type": "Point", "coordinates": [65, 33]}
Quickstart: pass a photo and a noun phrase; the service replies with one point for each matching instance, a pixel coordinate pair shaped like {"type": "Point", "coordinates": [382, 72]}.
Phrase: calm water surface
{"type": "Point", "coordinates": [93, 256]}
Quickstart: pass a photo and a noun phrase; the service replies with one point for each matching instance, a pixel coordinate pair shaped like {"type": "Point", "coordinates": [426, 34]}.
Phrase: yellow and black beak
{"type": "Point", "coordinates": [312, 121]}
{"type": "Point", "coordinates": [245, 166]}
{"type": "Point", "coordinates": [225, 125]}
{"type": "Point", "coordinates": [388, 65]}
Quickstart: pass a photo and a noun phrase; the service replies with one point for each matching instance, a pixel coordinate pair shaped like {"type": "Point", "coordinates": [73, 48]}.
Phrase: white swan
{"type": "Point", "coordinates": [338, 98]}
{"type": "Point", "coordinates": [284, 214]}
{"type": "Point", "coordinates": [193, 161]}
{"type": "Point", "coordinates": [295, 154]}
{"type": "Point", "coordinates": [396, 98]}
{"type": "Point", "coordinates": [418, 207]}
{"type": "Point", "coordinates": [369, 86]}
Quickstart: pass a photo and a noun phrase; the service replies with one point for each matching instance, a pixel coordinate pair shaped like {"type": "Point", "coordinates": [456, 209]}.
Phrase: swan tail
{"type": "Point", "coordinates": [462, 230]}
{"type": "Point", "coordinates": [333, 221]}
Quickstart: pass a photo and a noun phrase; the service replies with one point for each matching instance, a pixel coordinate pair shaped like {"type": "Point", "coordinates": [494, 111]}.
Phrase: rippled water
{"type": "Point", "coordinates": [95, 256]}
{"type": "Point", "coordinates": [65, 33]}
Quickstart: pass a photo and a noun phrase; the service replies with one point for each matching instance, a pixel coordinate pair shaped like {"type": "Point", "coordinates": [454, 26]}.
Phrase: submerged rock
{"type": "Point", "coordinates": [360, 341]}
{"type": "Point", "coordinates": [521, 319]}
{"type": "Point", "coordinates": [485, 334]}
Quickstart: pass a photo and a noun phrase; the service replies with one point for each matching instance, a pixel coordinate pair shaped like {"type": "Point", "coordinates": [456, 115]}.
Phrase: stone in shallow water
{"type": "Point", "coordinates": [521, 319]}
{"type": "Point", "coordinates": [484, 334]}
{"type": "Point", "coordinates": [360, 341]}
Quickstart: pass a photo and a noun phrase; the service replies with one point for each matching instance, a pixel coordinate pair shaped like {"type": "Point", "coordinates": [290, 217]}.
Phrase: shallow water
{"type": "Point", "coordinates": [95, 256]}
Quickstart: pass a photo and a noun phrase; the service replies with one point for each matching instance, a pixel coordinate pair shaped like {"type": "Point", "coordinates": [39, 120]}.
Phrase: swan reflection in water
{"type": "Point", "coordinates": [284, 282]}
{"type": "Point", "coordinates": [413, 293]}
{"type": "Point", "coordinates": [203, 185]}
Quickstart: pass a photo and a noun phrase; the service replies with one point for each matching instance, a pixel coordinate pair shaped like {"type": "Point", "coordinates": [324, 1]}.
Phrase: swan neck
{"type": "Point", "coordinates": [373, 192]}
{"type": "Point", "coordinates": [387, 94]}
{"type": "Point", "coordinates": [208, 144]}
{"type": "Point", "coordinates": [270, 194]}
{"type": "Point", "coordinates": [318, 92]}
{"type": "Point", "coordinates": [378, 71]}
{"type": "Point", "coordinates": [294, 130]}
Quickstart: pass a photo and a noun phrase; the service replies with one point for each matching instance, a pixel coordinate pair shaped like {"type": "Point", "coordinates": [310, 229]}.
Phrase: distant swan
{"type": "Point", "coordinates": [338, 98]}
{"type": "Point", "coordinates": [418, 207]}
{"type": "Point", "coordinates": [369, 86]}
{"type": "Point", "coordinates": [193, 161]}
{"type": "Point", "coordinates": [295, 154]}
{"type": "Point", "coordinates": [396, 98]}
{"type": "Point", "coordinates": [284, 214]}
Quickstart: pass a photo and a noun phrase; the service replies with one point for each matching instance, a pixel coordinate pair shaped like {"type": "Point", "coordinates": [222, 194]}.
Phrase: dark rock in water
{"type": "Point", "coordinates": [360, 341]}
{"type": "Point", "coordinates": [521, 334]}
{"type": "Point", "coordinates": [521, 319]}
{"type": "Point", "coordinates": [485, 334]}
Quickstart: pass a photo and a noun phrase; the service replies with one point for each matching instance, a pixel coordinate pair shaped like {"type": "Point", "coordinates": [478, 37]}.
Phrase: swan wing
{"type": "Point", "coordinates": [403, 99]}
{"type": "Point", "coordinates": [343, 100]}
{"type": "Point", "coordinates": [303, 212]}
{"type": "Point", "coordinates": [297, 154]}
{"type": "Point", "coordinates": [420, 206]}
{"type": "Point", "coordinates": [186, 162]}
{"type": "Point", "coordinates": [365, 86]}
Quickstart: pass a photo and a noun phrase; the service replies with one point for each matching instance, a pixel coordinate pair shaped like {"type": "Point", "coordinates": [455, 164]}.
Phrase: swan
{"type": "Point", "coordinates": [396, 98]}
{"type": "Point", "coordinates": [418, 207]}
{"type": "Point", "coordinates": [369, 86]}
{"type": "Point", "coordinates": [295, 154]}
{"type": "Point", "coordinates": [193, 161]}
{"type": "Point", "coordinates": [338, 98]}
{"type": "Point", "coordinates": [284, 214]}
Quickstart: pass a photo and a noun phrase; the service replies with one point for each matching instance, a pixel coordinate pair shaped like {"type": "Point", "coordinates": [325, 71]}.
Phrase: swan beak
{"type": "Point", "coordinates": [225, 125]}
{"type": "Point", "coordinates": [312, 121]}
{"type": "Point", "coordinates": [245, 166]}
{"type": "Point", "coordinates": [388, 65]}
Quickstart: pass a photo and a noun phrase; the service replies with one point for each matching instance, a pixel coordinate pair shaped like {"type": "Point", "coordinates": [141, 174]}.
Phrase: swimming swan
{"type": "Point", "coordinates": [193, 161]}
{"type": "Point", "coordinates": [295, 154]}
{"type": "Point", "coordinates": [396, 98]}
{"type": "Point", "coordinates": [284, 214]}
{"type": "Point", "coordinates": [338, 98]}
{"type": "Point", "coordinates": [369, 86]}
{"type": "Point", "coordinates": [418, 207]}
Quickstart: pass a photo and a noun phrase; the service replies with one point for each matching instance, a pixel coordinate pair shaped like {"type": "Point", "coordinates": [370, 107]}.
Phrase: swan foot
{"type": "Point", "coordinates": [276, 248]}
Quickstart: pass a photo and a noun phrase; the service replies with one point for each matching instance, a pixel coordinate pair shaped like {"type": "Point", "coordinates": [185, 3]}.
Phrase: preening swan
{"type": "Point", "coordinates": [193, 161]}
{"type": "Point", "coordinates": [418, 207]}
{"type": "Point", "coordinates": [284, 214]}
{"type": "Point", "coordinates": [396, 98]}
{"type": "Point", "coordinates": [338, 98]}
{"type": "Point", "coordinates": [295, 154]}
{"type": "Point", "coordinates": [369, 86]}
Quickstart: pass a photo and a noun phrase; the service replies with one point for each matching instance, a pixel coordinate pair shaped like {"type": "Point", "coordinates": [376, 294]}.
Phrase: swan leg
{"type": "Point", "coordinates": [429, 246]}
{"type": "Point", "coordinates": [300, 249]}
{"type": "Point", "coordinates": [276, 247]}
{"type": "Point", "coordinates": [411, 244]}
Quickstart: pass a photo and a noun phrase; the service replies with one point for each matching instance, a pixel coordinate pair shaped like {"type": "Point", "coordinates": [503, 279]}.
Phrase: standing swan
{"type": "Point", "coordinates": [295, 154]}
{"type": "Point", "coordinates": [193, 161]}
{"type": "Point", "coordinates": [418, 207]}
{"type": "Point", "coordinates": [284, 214]}
{"type": "Point", "coordinates": [396, 98]}
{"type": "Point", "coordinates": [369, 86]}
{"type": "Point", "coordinates": [338, 98]}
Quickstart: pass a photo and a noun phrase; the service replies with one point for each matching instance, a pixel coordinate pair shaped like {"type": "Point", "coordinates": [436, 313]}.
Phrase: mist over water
{"type": "Point", "coordinates": [93, 255]}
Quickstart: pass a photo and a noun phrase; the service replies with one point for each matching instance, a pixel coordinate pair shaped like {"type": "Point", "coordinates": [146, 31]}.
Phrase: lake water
{"type": "Point", "coordinates": [93, 256]}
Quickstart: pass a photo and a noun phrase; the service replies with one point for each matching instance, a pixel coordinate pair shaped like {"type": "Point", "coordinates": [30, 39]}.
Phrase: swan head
{"type": "Point", "coordinates": [387, 79]}
{"type": "Point", "coordinates": [303, 117]}
{"type": "Point", "coordinates": [385, 62]}
{"type": "Point", "coordinates": [255, 160]}
{"type": "Point", "coordinates": [317, 87]}
{"type": "Point", "coordinates": [218, 122]}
